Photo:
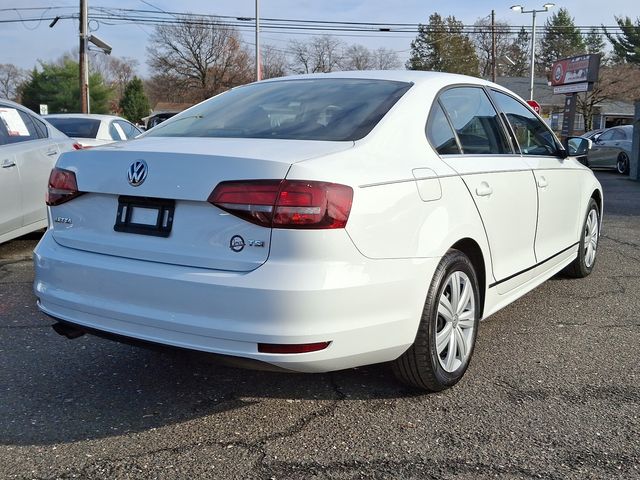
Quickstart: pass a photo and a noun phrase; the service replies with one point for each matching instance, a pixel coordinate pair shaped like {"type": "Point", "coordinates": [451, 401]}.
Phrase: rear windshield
{"type": "Point", "coordinates": [322, 109]}
{"type": "Point", "coordinates": [76, 127]}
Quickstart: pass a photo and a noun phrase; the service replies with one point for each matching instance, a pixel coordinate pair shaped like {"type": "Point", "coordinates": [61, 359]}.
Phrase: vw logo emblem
{"type": "Point", "coordinates": [137, 173]}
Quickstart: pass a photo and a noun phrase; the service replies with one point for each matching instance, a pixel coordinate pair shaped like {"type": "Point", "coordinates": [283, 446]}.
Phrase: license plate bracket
{"type": "Point", "coordinates": [145, 216]}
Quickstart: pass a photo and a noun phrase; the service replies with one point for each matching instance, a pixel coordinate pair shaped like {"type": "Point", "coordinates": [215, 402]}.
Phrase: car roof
{"type": "Point", "coordinates": [435, 79]}
{"type": "Point", "coordinates": [92, 116]}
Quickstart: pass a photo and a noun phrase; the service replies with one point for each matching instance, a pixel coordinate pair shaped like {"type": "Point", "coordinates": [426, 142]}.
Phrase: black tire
{"type": "Point", "coordinates": [580, 268]}
{"type": "Point", "coordinates": [622, 164]}
{"type": "Point", "coordinates": [420, 366]}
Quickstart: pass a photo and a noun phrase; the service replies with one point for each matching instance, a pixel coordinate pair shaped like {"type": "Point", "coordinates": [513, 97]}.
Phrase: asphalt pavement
{"type": "Point", "coordinates": [552, 392]}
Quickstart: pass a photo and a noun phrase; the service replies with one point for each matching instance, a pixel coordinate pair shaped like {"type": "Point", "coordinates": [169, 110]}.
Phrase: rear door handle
{"type": "Point", "coordinates": [484, 190]}
{"type": "Point", "coordinates": [8, 163]}
{"type": "Point", "coordinates": [542, 182]}
{"type": "Point", "coordinates": [52, 153]}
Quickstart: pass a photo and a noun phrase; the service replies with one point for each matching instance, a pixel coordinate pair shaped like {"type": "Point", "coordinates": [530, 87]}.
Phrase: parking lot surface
{"type": "Point", "coordinates": [552, 392]}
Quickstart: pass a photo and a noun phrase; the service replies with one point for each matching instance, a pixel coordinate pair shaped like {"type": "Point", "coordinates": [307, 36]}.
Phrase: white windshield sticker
{"type": "Point", "coordinates": [14, 123]}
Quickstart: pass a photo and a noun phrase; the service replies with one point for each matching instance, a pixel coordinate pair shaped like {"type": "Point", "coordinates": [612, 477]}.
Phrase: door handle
{"type": "Point", "coordinates": [484, 190]}
{"type": "Point", "coordinates": [52, 153]}
{"type": "Point", "coordinates": [542, 182]}
{"type": "Point", "coordinates": [8, 163]}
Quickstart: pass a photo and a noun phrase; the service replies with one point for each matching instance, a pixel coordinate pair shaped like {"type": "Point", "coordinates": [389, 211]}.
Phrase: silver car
{"type": "Point", "coordinates": [612, 149]}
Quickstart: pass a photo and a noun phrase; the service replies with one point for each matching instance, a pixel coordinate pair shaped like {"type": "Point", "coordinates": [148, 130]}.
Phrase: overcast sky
{"type": "Point", "coordinates": [25, 44]}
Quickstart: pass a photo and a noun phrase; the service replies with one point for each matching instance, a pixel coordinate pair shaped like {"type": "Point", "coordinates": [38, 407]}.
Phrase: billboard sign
{"type": "Point", "coordinates": [579, 69]}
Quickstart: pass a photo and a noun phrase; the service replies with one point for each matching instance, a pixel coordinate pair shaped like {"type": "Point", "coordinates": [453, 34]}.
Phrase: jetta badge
{"type": "Point", "coordinates": [137, 173]}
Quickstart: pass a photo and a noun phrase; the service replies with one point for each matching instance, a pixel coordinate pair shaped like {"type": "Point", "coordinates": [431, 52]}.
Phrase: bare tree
{"type": "Point", "coordinates": [10, 78]}
{"type": "Point", "coordinates": [117, 72]}
{"type": "Point", "coordinates": [618, 82]}
{"type": "Point", "coordinates": [357, 57]}
{"type": "Point", "coordinates": [320, 54]}
{"type": "Point", "coordinates": [385, 59]}
{"type": "Point", "coordinates": [274, 62]}
{"type": "Point", "coordinates": [203, 57]}
{"type": "Point", "coordinates": [482, 40]}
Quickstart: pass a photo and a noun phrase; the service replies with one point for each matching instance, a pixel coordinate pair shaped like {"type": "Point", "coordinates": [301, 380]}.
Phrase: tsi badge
{"type": "Point", "coordinates": [237, 243]}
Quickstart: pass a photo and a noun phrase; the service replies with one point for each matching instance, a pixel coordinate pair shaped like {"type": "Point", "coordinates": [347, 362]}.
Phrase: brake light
{"type": "Point", "coordinates": [286, 203]}
{"type": "Point", "coordinates": [62, 187]}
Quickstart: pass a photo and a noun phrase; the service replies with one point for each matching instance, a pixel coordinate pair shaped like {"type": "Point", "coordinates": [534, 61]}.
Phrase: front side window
{"type": "Point", "coordinates": [331, 109]}
{"type": "Point", "coordinates": [532, 135]}
{"type": "Point", "coordinates": [475, 121]}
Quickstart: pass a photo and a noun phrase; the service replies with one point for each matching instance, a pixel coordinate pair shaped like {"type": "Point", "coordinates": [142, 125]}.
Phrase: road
{"type": "Point", "coordinates": [552, 392]}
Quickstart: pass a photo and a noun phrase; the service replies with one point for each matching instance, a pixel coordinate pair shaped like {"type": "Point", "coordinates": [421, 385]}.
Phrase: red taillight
{"type": "Point", "coordinates": [292, 347]}
{"type": "Point", "coordinates": [77, 146]}
{"type": "Point", "coordinates": [62, 186]}
{"type": "Point", "coordinates": [286, 203]}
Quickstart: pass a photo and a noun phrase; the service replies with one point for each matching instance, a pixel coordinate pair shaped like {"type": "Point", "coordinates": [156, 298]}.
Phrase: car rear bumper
{"type": "Point", "coordinates": [368, 309]}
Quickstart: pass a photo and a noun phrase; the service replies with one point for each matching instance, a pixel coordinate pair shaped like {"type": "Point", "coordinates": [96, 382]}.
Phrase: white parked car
{"type": "Point", "coordinates": [29, 148]}
{"type": "Point", "coordinates": [92, 130]}
{"type": "Point", "coordinates": [320, 222]}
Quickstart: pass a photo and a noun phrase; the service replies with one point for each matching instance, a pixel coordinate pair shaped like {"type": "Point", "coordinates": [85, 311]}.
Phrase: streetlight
{"type": "Point", "coordinates": [545, 8]}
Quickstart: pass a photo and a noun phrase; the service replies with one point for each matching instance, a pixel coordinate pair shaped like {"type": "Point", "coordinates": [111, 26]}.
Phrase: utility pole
{"type": "Point", "coordinates": [258, 69]}
{"type": "Point", "coordinates": [84, 63]}
{"type": "Point", "coordinates": [494, 73]}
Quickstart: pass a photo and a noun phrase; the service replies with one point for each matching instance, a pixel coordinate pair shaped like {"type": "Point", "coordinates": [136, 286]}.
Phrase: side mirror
{"type": "Point", "coordinates": [577, 146]}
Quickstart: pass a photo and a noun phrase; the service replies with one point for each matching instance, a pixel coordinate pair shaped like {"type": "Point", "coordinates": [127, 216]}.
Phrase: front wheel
{"type": "Point", "coordinates": [622, 165]}
{"type": "Point", "coordinates": [448, 328]}
{"type": "Point", "coordinates": [588, 246]}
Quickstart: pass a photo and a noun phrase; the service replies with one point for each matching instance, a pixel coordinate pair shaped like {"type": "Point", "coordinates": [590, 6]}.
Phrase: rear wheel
{"type": "Point", "coordinates": [622, 165]}
{"type": "Point", "coordinates": [586, 258]}
{"type": "Point", "coordinates": [447, 332]}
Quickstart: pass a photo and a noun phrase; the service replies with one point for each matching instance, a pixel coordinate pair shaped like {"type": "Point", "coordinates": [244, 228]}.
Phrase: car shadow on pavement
{"type": "Point", "coordinates": [91, 388]}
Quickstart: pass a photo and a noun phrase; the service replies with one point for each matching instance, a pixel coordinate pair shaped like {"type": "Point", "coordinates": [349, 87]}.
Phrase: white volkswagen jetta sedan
{"type": "Point", "coordinates": [320, 222]}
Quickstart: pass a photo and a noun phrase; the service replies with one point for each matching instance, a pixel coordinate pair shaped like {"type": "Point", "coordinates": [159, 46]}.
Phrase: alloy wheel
{"type": "Point", "coordinates": [455, 322]}
{"type": "Point", "coordinates": [590, 238]}
{"type": "Point", "coordinates": [622, 163]}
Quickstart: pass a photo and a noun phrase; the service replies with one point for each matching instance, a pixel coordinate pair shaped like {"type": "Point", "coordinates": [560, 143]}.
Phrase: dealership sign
{"type": "Point", "coordinates": [575, 74]}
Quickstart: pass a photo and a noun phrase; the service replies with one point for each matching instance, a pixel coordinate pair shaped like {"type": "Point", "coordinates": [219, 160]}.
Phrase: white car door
{"type": "Point", "coordinates": [10, 205]}
{"type": "Point", "coordinates": [557, 180]}
{"type": "Point", "coordinates": [500, 182]}
{"type": "Point", "coordinates": [34, 155]}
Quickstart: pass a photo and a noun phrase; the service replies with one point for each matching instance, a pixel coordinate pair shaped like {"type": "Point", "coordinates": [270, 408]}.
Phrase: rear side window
{"type": "Point", "coordinates": [129, 130]}
{"type": "Point", "coordinates": [475, 121]}
{"type": "Point", "coordinates": [43, 131]}
{"type": "Point", "coordinates": [331, 109]}
{"type": "Point", "coordinates": [76, 127]}
{"type": "Point", "coordinates": [439, 132]}
{"type": "Point", "coordinates": [533, 136]}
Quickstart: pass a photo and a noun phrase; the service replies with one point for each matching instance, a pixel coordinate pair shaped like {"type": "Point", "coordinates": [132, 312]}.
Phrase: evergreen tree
{"type": "Point", "coordinates": [561, 39]}
{"type": "Point", "coordinates": [442, 46]}
{"type": "Point", "coordinates": [518, 53]}
{"type": "Point", "coordinates": [57, 85]}
{"type": "Point", "coordinates": [626, 46]}
{"type": "Point", "coordinates": [134, 102]}
{"type": "Point", "coordinates": [594, 42]}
